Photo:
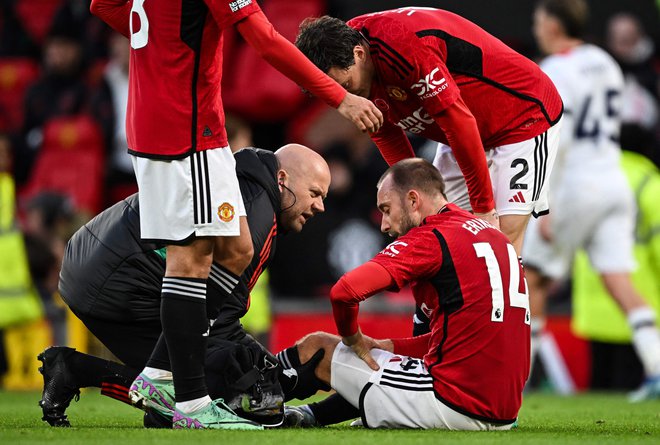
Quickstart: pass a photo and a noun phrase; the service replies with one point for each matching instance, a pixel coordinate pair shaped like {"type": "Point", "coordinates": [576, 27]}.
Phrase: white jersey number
{"type": "Point", "coordinates": [599, 116]}
{"type": "Point", "coordinates": [516, 299]}
{"type": "Point", "coordinates": [141, 38]}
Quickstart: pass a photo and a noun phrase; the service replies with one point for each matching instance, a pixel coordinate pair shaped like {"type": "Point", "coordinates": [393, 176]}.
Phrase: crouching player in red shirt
{"type": "Point", "coordinates": [468, 373]}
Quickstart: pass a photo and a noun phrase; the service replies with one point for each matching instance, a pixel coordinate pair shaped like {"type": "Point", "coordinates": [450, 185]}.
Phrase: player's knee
{"type": "Point", "coordinates": [235, 254]}
{"type": "Point", "coordinates": [311, 343]}
{"type": "Point", "coordinates": [242, 256]}
{"type": "Point", "coordinates": [189, 261]}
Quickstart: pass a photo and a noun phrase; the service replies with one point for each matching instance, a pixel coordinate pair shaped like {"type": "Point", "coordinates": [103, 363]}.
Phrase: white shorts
{"type": "Point", "coordinates": [198, 195]}
{"type": "Point", "coordinates": [592, 211]}
{"type": "Point", "coordinates": [518, 172]}
{"type": "Point", "coordinates": [399, 395]}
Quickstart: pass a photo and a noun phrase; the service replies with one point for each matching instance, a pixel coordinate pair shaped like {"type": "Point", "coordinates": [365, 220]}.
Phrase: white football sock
{"type": "Point", "coordinates": [193, 405]}
{"type": "Point", "coordinates": [646, 339]}
{"type": "Point", "coordinates": [157, 374]}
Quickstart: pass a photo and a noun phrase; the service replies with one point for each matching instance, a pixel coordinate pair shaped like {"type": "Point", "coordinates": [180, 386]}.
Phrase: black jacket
{"type": "Point", "coordinates": [109, 273]}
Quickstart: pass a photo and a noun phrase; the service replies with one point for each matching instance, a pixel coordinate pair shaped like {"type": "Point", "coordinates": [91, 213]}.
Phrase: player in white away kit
{"type": "Point", "coordinates": [593, 206]}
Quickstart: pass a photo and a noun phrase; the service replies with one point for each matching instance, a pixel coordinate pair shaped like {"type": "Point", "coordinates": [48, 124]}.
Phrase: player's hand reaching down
{"type": "Point", "coordinates": [362, 112]}
{"type": "Point", "coordinates": [491, 217]}
{"type": "Point", "coordinates": [362, 345]}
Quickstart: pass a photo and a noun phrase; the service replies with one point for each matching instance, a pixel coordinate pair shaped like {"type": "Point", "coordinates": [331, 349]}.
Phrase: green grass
{"type": "Point", "coordinates": [545, 419]}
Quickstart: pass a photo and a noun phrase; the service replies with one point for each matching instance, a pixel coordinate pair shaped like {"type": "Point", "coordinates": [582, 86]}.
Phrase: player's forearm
{"type": "Point", "coordinates": [412, 346]}
{"type": "Point", "coordinates": [345, 315]}
{"type": "Point", "coordinates": [354, 287]}
{"type": "Point", "coordinates": [393, 144]}
{"type": "Point", "coordinates": [286, 58]}
{"type": "Point", "coordinates": [116, 13]}
{"type": "Point", "coordinates": [463, 137]}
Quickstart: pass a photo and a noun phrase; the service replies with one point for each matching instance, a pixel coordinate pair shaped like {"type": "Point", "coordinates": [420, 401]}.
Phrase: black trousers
{"type": "Point", "coordinates": [132, 343]}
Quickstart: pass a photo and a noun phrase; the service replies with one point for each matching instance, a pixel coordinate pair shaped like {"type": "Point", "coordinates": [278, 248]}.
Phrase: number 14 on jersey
{"type": "Point", "coordinates": [516, 298]}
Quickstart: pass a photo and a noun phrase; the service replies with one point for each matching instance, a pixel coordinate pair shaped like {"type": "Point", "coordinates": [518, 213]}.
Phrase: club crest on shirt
{"type": "Point", "coordinates": [396, 93]}
{"type": "Point", "coordinates": [381, 104]}
{"type": "Point", "coordinates": [226, 212]}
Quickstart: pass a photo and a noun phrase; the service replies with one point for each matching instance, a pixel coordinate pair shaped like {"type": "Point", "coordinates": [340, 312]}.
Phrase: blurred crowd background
{"type": "Point", "coordinates": [63, 92]}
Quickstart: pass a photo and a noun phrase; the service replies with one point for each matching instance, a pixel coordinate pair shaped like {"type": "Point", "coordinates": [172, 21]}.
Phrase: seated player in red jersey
{"type": "Point", "coordinates": [469, 372]}
{"type": "Point", "coordinates": [440, 76]}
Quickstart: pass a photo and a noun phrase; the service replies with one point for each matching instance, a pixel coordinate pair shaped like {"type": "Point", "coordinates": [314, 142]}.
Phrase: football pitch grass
{"type": "Point", "coordinates": [545, 419]}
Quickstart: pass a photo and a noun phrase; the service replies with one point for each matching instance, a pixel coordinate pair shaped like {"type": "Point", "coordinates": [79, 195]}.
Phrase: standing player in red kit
{"type": "Point", "coordinates": [469, 372]}
{"type": "Point", "coordinates": [189, 194]}
{"type": "Point", "coordinates": [435, 74]}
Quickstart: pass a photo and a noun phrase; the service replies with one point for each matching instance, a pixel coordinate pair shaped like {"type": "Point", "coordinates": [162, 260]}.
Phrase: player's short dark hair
{"type": "Point", "coordinates": [328, 42]}
{"type": "Point", "coordinates": [415, 174]}
{"type": "Point", "coordinates": [572, 14]}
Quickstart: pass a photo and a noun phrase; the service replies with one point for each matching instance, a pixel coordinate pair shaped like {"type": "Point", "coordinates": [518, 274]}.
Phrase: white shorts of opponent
{"type": "Point", "coordinates": [197, 195]}
{"type": "Point", "coordinates": [385, 402]}
{"type": "Point", "coordinates": [518, 172]}
{"type": "Point", "coordinates": [594, 211]}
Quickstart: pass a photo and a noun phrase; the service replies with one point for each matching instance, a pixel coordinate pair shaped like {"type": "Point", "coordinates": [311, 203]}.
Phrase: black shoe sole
{"type": "Point", "coordinates": [54, 405]}
{"type": "Point", "coordinates": [154, 419]}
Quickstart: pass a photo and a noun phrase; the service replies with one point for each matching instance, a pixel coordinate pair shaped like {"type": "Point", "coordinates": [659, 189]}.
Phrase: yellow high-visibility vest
{"type": "Point", "coordinates": [19, 302]}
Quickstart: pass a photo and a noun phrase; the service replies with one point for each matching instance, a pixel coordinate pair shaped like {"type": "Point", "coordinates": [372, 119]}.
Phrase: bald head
{"type": "Point", "coordinates": [304, 179]}
{"type": "Point", "coordinates": [300, 161]}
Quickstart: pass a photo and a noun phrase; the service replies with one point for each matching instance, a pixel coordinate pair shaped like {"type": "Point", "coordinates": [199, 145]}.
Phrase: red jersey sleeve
{"type": "Point", "coordinates": [412, 257]}
{"type": "Point", "coordinates": [392, 143]}
{"type": "Point", "coordinates": [355, 286]}
{"type": "Point", "coordinates": [462, 132]}
{"type": "Point", "coordinates": [286, 58]}
{"type": "Point", "coordinates": [412, 346]}
{"type": "Point", "coordinates": [116, 13]}
{"type": "Point", "coordinates": [228, 12]}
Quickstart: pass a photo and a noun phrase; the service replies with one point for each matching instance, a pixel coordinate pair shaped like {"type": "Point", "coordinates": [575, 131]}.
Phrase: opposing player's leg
{"type": "Point", "coordinates": [548, 259]}
{"type": "Point", "coordinates": [645, 335]}
{"type": "Point", "coordinates": [201, 203]}
{"type": "Point", "coordinates": [611, 253]}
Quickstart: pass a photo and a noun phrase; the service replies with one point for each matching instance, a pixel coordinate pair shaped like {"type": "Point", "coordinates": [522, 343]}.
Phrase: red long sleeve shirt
{"type": "Point", "coordinates": [426, 62]}
{"type": "Point", "coordinates": [175, 104]}
{"type": "Point", "coordinates": [466, 277]}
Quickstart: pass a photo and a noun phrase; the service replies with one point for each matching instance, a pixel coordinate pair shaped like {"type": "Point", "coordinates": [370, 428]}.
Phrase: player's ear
{"type": "Point", "coordinates": [282, 177]}
{"type": "Point", "coordinates": [359, 52]}
{"type": "Point", "coordinates": [413, 199]}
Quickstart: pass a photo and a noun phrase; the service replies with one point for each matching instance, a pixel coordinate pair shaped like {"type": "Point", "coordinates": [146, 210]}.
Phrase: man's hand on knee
{"type": "Point", "coordinates": [362, 345]}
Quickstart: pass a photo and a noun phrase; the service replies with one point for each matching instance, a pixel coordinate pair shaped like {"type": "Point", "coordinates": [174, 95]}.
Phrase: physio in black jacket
{"type": "Point", "coordinates": [111, 280]}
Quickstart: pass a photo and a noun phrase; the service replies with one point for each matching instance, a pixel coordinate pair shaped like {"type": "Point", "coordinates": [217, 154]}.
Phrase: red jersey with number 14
{"type": "Point", "coordinates": [466, 277]}
{"type": "Point", "coordinates": [174, 102]}
{"type": "Point", "coordinates": [424, 58]}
